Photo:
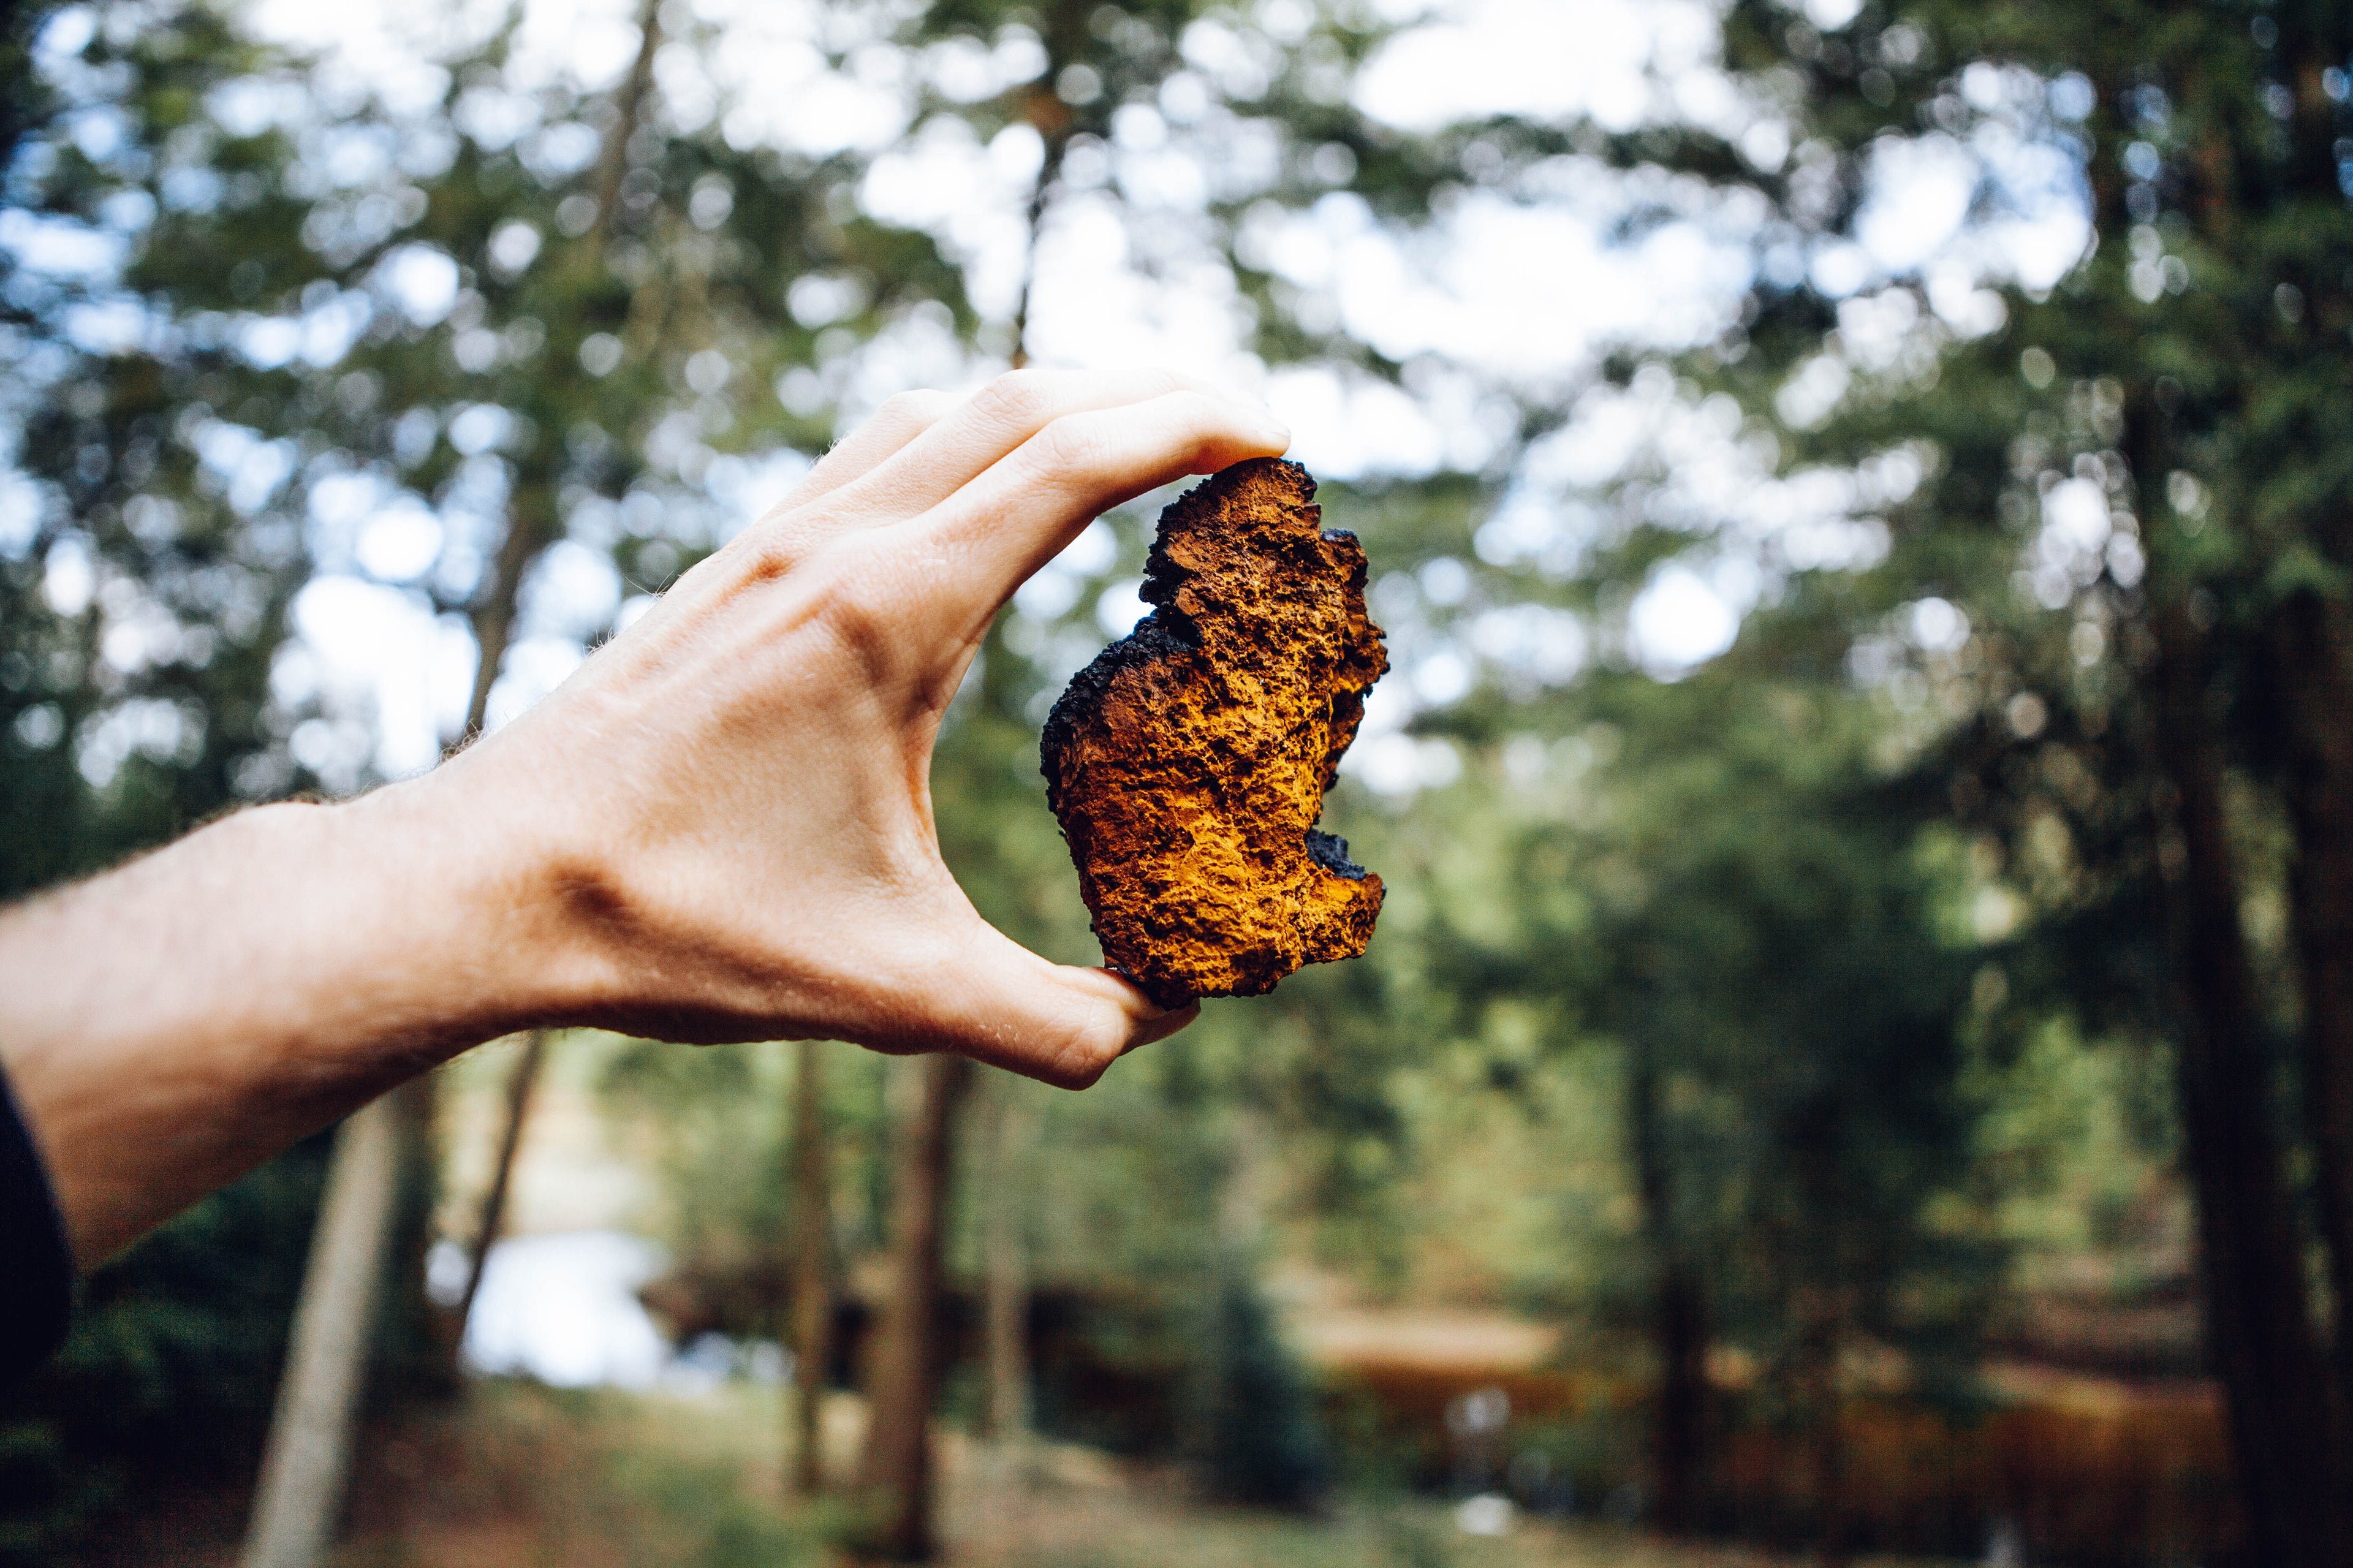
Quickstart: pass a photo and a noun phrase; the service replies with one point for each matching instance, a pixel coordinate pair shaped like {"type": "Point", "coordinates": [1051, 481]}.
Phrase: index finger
{"type": "Point", "coordinates": [1018, 514]}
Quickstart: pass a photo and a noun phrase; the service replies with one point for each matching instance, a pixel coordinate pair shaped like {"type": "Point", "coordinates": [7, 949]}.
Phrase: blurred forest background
{"type": "Point", "coordinates": [1859, 1055]}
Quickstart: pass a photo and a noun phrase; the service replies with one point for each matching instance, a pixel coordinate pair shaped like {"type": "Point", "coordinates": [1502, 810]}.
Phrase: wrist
{"type": "Point", "coordinates": [493, 924]}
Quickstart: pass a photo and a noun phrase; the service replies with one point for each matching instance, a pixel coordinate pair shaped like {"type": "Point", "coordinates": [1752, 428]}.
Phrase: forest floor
{"type": "Point", "coordinates": [514, 1475]}
{"type": "Point", "coordinates": [517, 1475]}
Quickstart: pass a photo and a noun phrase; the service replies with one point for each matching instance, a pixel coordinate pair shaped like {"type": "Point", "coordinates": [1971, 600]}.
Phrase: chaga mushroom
{"type": "Point", "coordinates": [1187, 763]}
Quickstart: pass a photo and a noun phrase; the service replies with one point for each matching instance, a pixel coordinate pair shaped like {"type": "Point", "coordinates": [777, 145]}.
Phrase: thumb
{"type": "Point", "coordinates": [998, 1003]}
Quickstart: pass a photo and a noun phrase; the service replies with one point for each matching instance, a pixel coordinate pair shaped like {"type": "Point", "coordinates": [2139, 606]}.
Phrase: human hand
{"type": "Point", "coordinates": [729, 804]}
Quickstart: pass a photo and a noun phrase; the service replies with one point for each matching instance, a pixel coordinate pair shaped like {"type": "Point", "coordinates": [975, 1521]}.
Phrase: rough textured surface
{"type": "Point", "coordinates": [1187, 763]}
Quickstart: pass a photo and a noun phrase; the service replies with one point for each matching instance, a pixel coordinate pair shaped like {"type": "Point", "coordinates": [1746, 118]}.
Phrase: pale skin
{"type": "Point", "coordinates": [719, 829]}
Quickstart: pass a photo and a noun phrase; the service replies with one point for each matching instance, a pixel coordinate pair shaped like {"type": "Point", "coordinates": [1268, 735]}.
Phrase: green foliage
{"type": "Point", "coordinates": [2114, 505]}
{"type": "Point", "coordinates": [123, 527]}
{"type": "Point", "coordinates": [1777, 966]}
{"type": "Point", "coordinates": [713, 1521]}
{"type": "Point", "coordinates": [1716, 881]}
{"type": "Point", "coordinates": [2074, 1147]}
{"type": "Point", "coordinates": [1258, 1436]}
{"type": "Point", "coordinates": [172, 1364]}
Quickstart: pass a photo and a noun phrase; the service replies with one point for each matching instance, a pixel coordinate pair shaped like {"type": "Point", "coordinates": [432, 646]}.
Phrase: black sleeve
{"type": "Point", "coordinates": [35, 1264]}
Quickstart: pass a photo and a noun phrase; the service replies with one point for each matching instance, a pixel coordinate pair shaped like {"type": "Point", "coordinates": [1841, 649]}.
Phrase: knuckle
{"type": "Point", "coordinates": [774, 554]}
{"type": "Point", "coordinates": [1201, 415]}
{"type": "Point", "coordinates": [846, 595]}
{"type": "Point", "coordinates": [1074, 444]}
{"type": "Point", "coordinates": [914, 410]}
{"type": "Point", "coordinates": [1023, 398]}
{"type": "Point", "coordinates": [779, 546]}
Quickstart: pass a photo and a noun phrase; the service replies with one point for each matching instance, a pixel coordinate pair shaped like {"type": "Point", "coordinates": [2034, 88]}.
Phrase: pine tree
{"type": "Point", "coordinates": [2127, 485]}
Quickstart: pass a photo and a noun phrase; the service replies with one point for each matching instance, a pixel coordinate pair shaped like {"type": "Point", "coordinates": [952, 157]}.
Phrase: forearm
{"type": "Point", "coordinates": [170, 1025]}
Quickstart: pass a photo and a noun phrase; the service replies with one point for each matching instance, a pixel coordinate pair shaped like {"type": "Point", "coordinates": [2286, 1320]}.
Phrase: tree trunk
{"type": "Point", "coordinates": [532, 524]}
{"type": "Point", "coordinates": [1679, 1313]}
{"type": "Point", "coordinates": [494, 1203]}
{"type": "Point", "coordinates": [415, 1337]}
{"type": "Point", "coordinates": [812, 1270]}
{"type": "Point", "coordinates": [613, 160]}
{"type": "Point", "coordinates": [895, 1475]}
{"type": "Point", "coordinates": [2259, 1326]}
{"type": "Point", "coordinates": [1053, 123]}
{"type": "Point", "coordinates": [1050, 118]}
{"type": "Point", "coordinates": [493, 626]}
{"type": "Point", "coordinates": [408, 1171]}
{"type": "Point", "coordinates": [1004, 1194]}
{"type": "Point", "coordinates": [533, 521]}
{"type": "Point", "coordinates": [2314, 653]}
{"type": "Point", "coordinates": [308, 1455]}
{"type": "Point", "coordinates": [1834, 1517]}
{"type": "Point", "coordinates": [1681, 1435]}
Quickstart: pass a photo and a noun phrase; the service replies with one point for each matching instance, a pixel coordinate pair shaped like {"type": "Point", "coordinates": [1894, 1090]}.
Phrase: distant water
{"type": "Point", "coordinates": [564, 1309]}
